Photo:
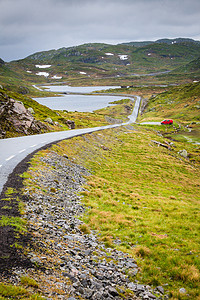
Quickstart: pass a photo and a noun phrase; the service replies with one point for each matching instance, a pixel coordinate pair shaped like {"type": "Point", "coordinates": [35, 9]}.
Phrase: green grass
{"type": "Point", "coordinates": [9, 191]}
{"type": "Point", "coordinates": [180, 103]}
{"type": "Point", "coordinates": [18, 223]}
{"type": "Point", "coordinates": [8, 291]}
{"type": "Point", "coordinates": [148, 197]}
{"type": "Point", "coordinates": [29, 281]}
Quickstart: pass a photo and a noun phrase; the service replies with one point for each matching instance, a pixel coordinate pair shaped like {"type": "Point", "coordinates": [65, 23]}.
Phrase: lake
{"type": "Point", "coordinates": [81, 103]}
{"type": "Point", "coordinates": [76, 89]}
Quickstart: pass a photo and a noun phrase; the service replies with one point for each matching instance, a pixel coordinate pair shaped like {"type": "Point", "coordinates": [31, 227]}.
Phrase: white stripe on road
{"type": "Point", "coordinates": [22, 150]}
{"type": "Point", "coordinates": [10, 157]}
{"type": "Point", "coordinates": [0, 166]}
{"type": "Point", "coordinates": [33, 146]}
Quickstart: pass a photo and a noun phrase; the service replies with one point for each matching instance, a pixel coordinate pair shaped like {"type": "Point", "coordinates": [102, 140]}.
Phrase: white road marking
{"type": "Point", "coordinates": [0, 166]}
{"type": "Point", "coordinates": [22, 150]}
{"type": "Point", "coordinates": [33, 146]}
{"type": "Point", "coordinates": [10, 157]}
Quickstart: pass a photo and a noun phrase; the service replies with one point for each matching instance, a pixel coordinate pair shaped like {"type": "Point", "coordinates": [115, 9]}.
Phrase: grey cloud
{"type": "Point", "coordinates": [34, 25]}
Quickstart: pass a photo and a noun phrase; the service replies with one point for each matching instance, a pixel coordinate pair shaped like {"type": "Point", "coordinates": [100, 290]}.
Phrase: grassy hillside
{"type": "Point", "coordinates": [191, 67]}
{"type": "Point", "coordinates": [142, 199]}
{"type": "Point", "coordinates": [93, 62]}
{"type": "Point", "coordinates": [182, 104]}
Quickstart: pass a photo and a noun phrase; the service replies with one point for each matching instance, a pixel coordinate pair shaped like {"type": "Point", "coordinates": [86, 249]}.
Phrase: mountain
{"type": "Point", "coordinates": [103, 60]}
{"type": "Point", "coordinates": [162, 41]}
{"type": "Point", "coordinates": [104, 64]}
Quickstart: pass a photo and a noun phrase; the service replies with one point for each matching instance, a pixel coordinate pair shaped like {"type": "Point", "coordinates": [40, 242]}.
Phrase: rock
{"type": "Point", "coordinates": [182, 291]}
{"type": "Point", "coordinates": [151, 296]}
{"type": "Point", "coordinates": [31, 110]}
{"type": "Point", "coordinates": [112, 291]}
{"type": "Point", "coordinates": [160, 289]}
{"type": "Point", "coordinates": [2, 62]}
{"type": "Point", "coordinates": [58, 124]}
{"type": "Point", "coordinates": [183, 153]}
{"type": "Point", "coordinates": [70, 124]}
{"type": "Point", "coordinates": [49, 120]}
{"type": "Point", "coordinates": [97, 296]}
{"type": "Point", "coordinates": [36, 260]}
{"type": "Point", "coordinates": [15, 118]}
{"type": "Point", "coordinates": [132, 286]}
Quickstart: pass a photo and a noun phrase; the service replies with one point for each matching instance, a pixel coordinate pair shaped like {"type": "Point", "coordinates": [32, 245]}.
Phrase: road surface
{"type": "Point", "coordinates": [14, 150]}
{"type": "Point", "coordinates": [150, 123]}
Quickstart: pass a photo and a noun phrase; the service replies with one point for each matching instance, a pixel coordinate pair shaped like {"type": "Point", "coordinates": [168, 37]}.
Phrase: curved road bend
{"type": "Point", "coordinates": [14, 150]}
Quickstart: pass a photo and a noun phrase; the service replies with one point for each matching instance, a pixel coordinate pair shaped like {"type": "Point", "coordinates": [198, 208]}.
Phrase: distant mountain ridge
{"type": "Point", "coordinates": [161, 41]}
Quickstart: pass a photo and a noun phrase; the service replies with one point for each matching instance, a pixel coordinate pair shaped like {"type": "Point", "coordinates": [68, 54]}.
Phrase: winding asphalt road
{"type": "Point", "coordinates": [14, 150]}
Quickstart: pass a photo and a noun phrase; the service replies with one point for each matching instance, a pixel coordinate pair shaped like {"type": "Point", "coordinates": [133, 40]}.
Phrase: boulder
{"type": "Point", "coordinates": [49, 120]}
{"type": "Point", "coordinates": [183, 153]}
{"type": "Point", "coordinates": [71, 124]}
{"type": "Point", "coordinates": [15, 118]}
{"type": "Point", "coordinates": [182, 291]}
{"type": "Point", "coordinates": [31, 110]}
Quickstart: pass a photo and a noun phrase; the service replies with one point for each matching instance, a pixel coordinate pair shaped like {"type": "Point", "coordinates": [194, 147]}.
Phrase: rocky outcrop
{"type": "Point", "coordinates": [1, 62]}
{"type": "Point", "coordinates": [70, 124]}
{"type": "Point", "coordinates": [15, 119]}
{"type": "Point", "coordinates": [23, 90]}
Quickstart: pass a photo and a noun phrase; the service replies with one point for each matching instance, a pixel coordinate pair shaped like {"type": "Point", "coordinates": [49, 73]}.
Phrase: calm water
{"type": "Point", "coordinates": [81, 103]}
{"type": "Point", "coordinates": [75, 89]}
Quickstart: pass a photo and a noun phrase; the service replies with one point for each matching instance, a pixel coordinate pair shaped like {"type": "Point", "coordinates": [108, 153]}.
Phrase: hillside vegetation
{"type": "Point", "coordinates": [182, 104]}
{"type": "Point", "coordinates": [91, 64]}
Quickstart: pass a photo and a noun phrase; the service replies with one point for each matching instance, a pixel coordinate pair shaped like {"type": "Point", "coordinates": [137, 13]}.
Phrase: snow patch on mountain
{"type": "Point", "coordinates": [45, 74]}
{"type": "Point", "coordinates": [123, 57]}
{"type": "Point", "coordinates": [43, 66]}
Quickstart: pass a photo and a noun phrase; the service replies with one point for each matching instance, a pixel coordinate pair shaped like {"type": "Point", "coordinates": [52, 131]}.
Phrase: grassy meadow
{"type": "Point", "coordinates": [143, 199]}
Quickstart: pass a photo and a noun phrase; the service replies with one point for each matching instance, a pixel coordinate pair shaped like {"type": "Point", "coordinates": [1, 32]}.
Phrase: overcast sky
{"type": "Point", "coordinates": [29, 26]}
